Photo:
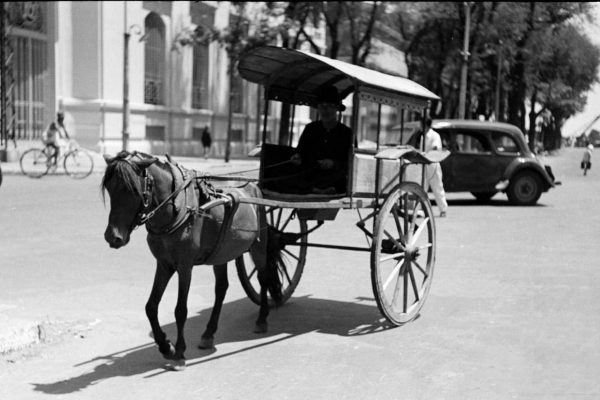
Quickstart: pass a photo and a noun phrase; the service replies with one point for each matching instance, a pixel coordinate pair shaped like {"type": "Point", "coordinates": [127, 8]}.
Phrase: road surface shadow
{"type": "Point", "coordinates": [299, 316]}
{"type": "Point", "coordinates": [490, 203]}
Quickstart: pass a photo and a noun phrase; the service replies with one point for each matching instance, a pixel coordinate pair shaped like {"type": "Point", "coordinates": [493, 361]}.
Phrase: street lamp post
{"type": "Point", "coordinates": [465, 53]}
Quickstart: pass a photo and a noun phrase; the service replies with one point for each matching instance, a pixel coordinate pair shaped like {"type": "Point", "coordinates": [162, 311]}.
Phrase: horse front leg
{"type": "Point", "coordinates": [161, 279]}
{"type": "Point", "coordinates": [181, 311]}
{"type": "Point", "coordinates": [221, 285]}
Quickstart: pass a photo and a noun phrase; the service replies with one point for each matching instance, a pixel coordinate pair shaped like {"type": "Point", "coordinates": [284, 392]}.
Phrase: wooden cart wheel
{"type": "Point", "coordinates": [286, 222]}
{"type": "Point", "coordinates": [403, 253]}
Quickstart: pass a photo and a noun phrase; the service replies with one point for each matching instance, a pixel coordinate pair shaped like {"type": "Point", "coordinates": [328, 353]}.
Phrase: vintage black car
{"type": "Point", "coordinates": [491, 157]}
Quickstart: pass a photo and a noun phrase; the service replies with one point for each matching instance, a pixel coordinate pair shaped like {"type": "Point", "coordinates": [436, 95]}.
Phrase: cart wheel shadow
{"type": "Point", "coordinates": [493, 202]}
{"type": "Point", "coordinates": [299, 316]}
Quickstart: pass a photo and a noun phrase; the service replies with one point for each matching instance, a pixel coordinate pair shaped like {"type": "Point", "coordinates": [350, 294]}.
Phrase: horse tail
{"type": "Point", "coordinates": [275, 263]}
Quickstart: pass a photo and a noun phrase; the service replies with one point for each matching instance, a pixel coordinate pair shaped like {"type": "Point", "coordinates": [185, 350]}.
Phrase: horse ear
{"type": "Point", "coordinates": [107, 158]}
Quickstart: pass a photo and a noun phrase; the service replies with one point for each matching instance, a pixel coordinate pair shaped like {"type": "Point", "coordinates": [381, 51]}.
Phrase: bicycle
{"type": "Point", "coordinates": [76, 161]}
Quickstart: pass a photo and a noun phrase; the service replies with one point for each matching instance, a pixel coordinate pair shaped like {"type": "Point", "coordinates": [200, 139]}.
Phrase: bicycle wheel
{"type": "Point", "coordinates": [34, 163]}
{"type": "Point", "coordinates": [78, 164]}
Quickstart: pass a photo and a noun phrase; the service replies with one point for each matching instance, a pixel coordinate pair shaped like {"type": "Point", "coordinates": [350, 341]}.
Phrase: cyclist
{"type": "Point", "coordinates": [55, 137]}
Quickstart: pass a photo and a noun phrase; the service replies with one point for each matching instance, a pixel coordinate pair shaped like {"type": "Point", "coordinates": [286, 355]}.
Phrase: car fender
{"type": "Point", "coordinates": [521, 164]}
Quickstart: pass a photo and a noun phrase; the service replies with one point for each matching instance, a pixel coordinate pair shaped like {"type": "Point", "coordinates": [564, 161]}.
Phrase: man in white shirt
{"type": "Point", "coordinates": [433, 172]}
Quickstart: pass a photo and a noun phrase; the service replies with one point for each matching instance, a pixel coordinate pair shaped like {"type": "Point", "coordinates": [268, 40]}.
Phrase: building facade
{"type": "Point", "coordinates": [70, 57]}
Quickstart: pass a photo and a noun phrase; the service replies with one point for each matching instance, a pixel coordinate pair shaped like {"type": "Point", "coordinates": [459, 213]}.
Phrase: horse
{"type": "Point", "coordinates": [188, 222]}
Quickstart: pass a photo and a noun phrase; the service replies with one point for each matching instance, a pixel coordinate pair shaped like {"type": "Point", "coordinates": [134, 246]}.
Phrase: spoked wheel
{"type": "Point", "coordinates": [403, 253]}
{"type": "Point", "coordinates": [35, 163]}
{"type": "Point", "coordinates": [289, 229]}
{"type": "Point", "coordinates": [78, 164]}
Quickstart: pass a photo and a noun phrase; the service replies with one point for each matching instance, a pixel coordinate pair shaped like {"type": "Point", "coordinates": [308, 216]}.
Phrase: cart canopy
{"type": "Point", "coordinates": [295, 76]}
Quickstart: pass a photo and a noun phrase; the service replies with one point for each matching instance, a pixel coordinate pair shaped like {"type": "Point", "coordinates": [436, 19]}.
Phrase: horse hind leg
{"type": "Point", "coordinates": [261, 325]}
{"type": "Point", "coordinates": [266, 254]}
{"type": "Point", "coordinates": [181, 311]}
{"type": "Point", "coordinates": [221, 285]}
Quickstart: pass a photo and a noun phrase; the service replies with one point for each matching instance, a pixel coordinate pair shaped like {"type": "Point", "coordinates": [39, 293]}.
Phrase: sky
{"type": "Point", "coordinates": [574, 125]}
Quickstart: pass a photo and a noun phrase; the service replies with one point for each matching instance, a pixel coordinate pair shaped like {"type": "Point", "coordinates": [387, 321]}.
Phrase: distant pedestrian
{"type": "Point", "coordinates": [586, 163]}
{"type": "Point", "coordinates": [206, 141]}
{"type": "Point", "coordinates": [433, 171]}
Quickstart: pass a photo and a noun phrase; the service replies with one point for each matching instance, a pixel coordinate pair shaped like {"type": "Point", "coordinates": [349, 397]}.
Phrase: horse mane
{"type": "Point", "coordinates": [123, 170]}
{"type": "Point", "coordinates": [128, 173]}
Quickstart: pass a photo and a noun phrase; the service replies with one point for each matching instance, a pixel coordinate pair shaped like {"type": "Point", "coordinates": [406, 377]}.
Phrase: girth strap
{"type": "Point", "coordinates": [230, 201]}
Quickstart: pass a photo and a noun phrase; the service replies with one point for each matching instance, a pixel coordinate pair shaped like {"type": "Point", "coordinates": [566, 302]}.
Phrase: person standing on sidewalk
{"type": "Point", "coordinates": [586, 163]}
{"type": "Point", "coordinates": [433, 172]}
{"type": "Point", "coordinates": [206, 141]}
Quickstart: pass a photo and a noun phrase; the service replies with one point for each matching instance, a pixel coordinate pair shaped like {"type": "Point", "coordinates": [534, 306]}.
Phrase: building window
{"type": "Point", "coordinates": [237, 94]}
{"type": "Point", "coordinates": [26, 67]}
{"type": "Point", "coordinates": [155, 132]}
{"type": "Point", "coordinates": [200, 77]}
{"type": "Point", "coordinates": [203, 16]}
{"type": "Point", "coordinates": [154, 71]}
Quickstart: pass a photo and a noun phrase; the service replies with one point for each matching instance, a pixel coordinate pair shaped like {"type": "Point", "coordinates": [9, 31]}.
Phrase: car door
{"type": "Point", "coordinates": [471, 166]}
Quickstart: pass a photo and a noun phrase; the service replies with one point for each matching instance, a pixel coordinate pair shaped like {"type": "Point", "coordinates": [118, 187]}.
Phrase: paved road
{"type": "Point", "coordinates": [514, 310]}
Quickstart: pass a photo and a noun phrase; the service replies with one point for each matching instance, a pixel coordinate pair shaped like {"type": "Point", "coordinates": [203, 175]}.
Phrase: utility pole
{"type": "Point", "coordinates": [465, 53]}
{"type": "Point", "coordinates": [498, 80]}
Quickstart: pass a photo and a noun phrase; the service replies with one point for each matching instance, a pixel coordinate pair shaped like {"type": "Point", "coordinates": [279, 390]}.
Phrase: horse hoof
{"type": "Point", "coordinates": [177, 365]}
{"type": "Point", "coordinates": [260, 327]}
{"type": "Point", "coordinates": [170, 353]}
{"type": "Point", "coordinates": [206, 343]}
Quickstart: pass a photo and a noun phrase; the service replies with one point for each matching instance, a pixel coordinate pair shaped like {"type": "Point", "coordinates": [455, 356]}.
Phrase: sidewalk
{"type": "Point", "coordinates": [210, 165]}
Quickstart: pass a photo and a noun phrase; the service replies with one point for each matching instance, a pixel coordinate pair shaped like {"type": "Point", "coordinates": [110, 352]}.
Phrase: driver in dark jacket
{"type": "Point", "coordinates": [324, 146]}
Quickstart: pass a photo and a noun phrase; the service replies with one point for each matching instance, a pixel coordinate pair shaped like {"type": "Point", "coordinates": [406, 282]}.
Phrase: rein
{"type": "Point", "coordinates": [145, 217]}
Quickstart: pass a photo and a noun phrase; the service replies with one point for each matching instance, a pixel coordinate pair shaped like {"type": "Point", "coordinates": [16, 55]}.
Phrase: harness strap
{"type": "Point", "coordinates": [181, 216]}
{"type": "Point", "coordinates": [230, 201]}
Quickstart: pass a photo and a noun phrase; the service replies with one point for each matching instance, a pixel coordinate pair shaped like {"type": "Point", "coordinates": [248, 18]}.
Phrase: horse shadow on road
{"type": "Point", "coordinates": [299, 316]}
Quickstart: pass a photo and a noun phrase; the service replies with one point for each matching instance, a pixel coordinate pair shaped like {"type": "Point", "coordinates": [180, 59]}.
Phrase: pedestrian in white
{"type": "Point", "coordinates": [433, 172]}
{"type": "Point", "coordinates": [586, 163]}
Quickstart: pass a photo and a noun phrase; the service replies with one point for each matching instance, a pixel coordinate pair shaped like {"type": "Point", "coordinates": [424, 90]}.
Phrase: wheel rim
{"type": "Point", "coordinates": [78, 164]}
{"type": "Point", "coordinates": [294, 257]}
{"type": "Point", "coordinates": [403, 255]}
{"type": "Point", "coordinates": [34, 163]}
{"type": "Point", "coordinates": [526, 188]}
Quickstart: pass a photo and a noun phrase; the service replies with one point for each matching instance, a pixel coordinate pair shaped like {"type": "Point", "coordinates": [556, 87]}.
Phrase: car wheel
{"type": "Point", "coordinates": [525, 188]}
{"type": "Point", "coordinates": [483, 196]}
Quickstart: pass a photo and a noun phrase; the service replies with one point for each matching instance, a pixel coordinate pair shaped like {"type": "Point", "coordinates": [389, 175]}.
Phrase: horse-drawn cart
{"type": "Point", "coordinates": [191, 222]}
{"type": "Point", "coordinates": [399, 224]}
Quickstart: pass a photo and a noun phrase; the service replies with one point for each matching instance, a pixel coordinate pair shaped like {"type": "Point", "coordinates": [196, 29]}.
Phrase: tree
{"type": "Point", "coordinates": [565, 71]}
{"type": "Point", "coordinates": [237, 38]}
{"type": "Point", "coordinates": [510, 45]}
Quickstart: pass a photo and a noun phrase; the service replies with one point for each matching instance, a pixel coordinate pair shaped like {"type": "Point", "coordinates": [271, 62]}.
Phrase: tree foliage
{"type": "Point", "coordinates": [521, 53]}
{"type": "Point", "coordinates": [528, 53]}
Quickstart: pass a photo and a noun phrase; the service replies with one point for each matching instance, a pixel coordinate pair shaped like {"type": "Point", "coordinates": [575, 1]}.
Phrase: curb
{"type": "Point", "coordinates": [17, 334]}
